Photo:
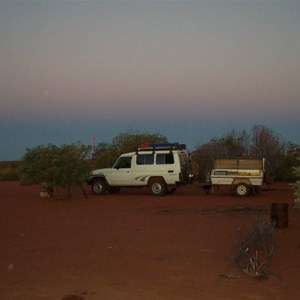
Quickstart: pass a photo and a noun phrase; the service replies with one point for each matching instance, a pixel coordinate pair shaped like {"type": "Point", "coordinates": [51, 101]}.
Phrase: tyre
{"type": "Point", "coordinates": [99, 186]}
{"type": "Point", "coordinates": [242, 189]}
{"type": "Point", "coordinates": [158, 187]}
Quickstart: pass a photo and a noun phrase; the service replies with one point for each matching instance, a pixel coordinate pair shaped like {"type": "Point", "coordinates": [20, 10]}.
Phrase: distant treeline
{"type": "Point", "coordinates": [9, 164]}
{"type": "Point", "coordinates": [260, 141]}
{"type": "Point", "coordinates": [9, 170]}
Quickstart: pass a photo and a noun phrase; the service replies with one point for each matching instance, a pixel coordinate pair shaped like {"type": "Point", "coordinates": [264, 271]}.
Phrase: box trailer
{"type": "Point", "coordinates": [243, 174]}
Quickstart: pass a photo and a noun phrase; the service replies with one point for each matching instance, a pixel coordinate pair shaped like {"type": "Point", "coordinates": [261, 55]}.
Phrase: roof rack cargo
{"type": "Point", "coordinates": [161, 146]}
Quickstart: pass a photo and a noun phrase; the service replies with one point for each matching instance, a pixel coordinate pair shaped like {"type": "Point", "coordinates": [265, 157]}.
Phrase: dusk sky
{"type": "Point", "coordinates": [189, 70]}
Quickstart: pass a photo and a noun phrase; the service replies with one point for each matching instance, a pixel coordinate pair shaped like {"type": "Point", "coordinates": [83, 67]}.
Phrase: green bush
{"type": "Point", "coordinates": [63, 166]}
{"type": "Point", "coordinates": [296, 186]}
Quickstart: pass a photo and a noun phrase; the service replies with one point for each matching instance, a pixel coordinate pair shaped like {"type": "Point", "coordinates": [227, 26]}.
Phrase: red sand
{"type": "Point", "coordinates": [135, 246]}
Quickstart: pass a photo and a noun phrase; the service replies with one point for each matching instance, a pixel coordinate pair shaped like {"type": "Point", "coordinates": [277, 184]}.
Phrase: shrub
{"type": "Point", "coordinates": [296, 186]}
{"type": "Point", "coordinates": [255, 250]}
{"type": "Point", "coordinates": [56, 166]}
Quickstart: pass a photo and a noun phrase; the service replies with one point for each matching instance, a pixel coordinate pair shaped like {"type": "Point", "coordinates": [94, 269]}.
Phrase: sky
{"type": "Point", "coordinates": [189, 70]}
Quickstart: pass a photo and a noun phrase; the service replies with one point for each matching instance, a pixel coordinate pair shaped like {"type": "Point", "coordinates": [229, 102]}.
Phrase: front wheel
{"type": "Point", "coordinates": [242, 189]}
{"type": "Point", "coordinates": [98, 186]}
{"type": "Point", "coordinates": [158, 187]}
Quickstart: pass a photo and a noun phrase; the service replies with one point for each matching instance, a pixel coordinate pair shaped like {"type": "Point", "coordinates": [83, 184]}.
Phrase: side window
{"type": "Point", "coordinates": [145, 159]}
{"type": "Point", "coordinates": [123, 163]}
{"type": "Point", "coordinates": [165, 159]}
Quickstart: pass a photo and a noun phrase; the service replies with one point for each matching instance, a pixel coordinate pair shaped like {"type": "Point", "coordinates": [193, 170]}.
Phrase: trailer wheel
{"type": "Point", "coordinates": [242, 189]}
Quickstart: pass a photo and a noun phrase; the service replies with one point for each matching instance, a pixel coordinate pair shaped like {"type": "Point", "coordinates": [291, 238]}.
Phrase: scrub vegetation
{"type": "Point", "coordinates": [296, 185]}
{"type": "Point", "coordinates": [260, 141]}
{"type": "Point", "coordinates": [64, 166]}
{"type": "Point", "coordinates": [69, 165]}
{"type": "Point", "coordinates": [106, 154]}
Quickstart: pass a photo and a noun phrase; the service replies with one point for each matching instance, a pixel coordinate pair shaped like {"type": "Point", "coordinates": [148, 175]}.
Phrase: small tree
{"type": "Point", "coordinates": [266, 143]}
{"type": "Point", "coordinates": [63, 166]}
{"type": "Point", "coordinates": [285, 171]}
{"type": "Point", "coordinates": [230, 145]}
{"type": "Point", "coordinates": [127, 141]}
{"type": "Point", "coordinates": [296, 185]}
{"type": "Point", "coordinates": [255, 250]}
{"type": "Point", "coordinates": [106, 154]}
{"type": "Point", "coordinates": [260, 142]}
{"type": "Point", "coordinates": [39, 164]}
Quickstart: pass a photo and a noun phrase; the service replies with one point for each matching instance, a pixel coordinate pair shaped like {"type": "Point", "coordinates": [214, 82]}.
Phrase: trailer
{"type": "Point", "coordinates": [243, 174]}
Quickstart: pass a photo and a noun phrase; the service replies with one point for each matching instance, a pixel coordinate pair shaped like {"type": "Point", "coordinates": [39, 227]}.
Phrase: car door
{"type": "Point", "coordinates": [122, 172]}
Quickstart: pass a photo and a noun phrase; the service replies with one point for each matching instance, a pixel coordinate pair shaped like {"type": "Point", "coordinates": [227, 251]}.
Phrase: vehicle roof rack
{"type": "Point", "coordinates": [161, 146]}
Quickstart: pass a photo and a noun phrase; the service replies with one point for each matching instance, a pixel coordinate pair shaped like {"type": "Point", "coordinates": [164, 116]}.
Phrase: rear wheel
{"type": "Point", "coordinates": [242, 189]}
{"type": "Point", "coordinates": [158, 187]}
{"type": "Point", "coordinates": [99, 186]}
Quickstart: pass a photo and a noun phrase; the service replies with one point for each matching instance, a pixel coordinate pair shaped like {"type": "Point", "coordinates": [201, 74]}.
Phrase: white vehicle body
{"type": "Point", "coordinates": [244, 174]}
{"type": "Point", "coordinates": [161, 167]}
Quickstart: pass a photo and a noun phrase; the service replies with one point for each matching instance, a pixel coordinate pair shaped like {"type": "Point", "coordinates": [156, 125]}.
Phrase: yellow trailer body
{"type": "Point", "coordinates": [243, 173]}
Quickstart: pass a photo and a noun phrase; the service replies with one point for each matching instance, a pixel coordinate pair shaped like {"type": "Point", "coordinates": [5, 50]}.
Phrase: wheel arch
{"type": "Point", "coordinates": [98, 177]}
{"type": "Point", "coordinates": [94, 178]}
{"type": "Point", "coordinates": [242, 180]}
{"type": "Point", "coordinates": [154, 178]}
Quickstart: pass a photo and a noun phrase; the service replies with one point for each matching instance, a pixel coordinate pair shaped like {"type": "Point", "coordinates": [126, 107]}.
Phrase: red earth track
{"type": "Point", "coordinates": [134, 246]}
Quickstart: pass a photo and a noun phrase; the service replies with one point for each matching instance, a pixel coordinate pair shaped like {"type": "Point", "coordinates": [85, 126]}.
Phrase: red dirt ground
{"type": "Point", "coordinates": [135, 246]}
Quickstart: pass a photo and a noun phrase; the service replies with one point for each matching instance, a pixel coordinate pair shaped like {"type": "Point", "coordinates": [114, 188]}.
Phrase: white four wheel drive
{"type": "Point", "coordinates": [244, 174]}
{"type": "Point", "coordinates": [160, 167]}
